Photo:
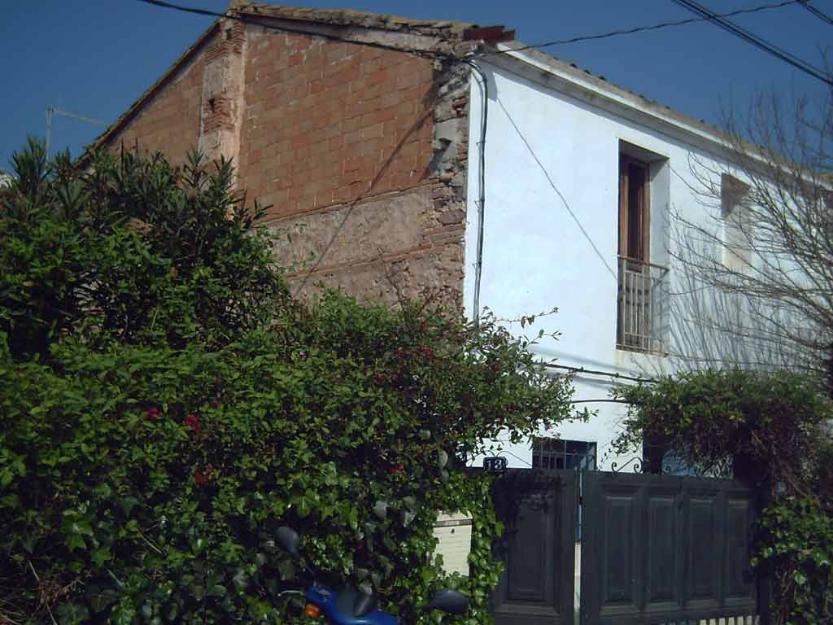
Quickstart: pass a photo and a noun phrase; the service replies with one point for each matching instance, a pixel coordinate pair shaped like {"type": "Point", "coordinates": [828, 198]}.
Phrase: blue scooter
{"type": "Point", "coordinates": [351, 607]}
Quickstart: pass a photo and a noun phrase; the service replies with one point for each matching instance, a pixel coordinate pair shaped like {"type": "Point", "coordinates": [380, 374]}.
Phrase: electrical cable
{"type": "Point", "coordinates": [642, 29]}
{"type": "Point", "coordinates": [253, 19]}
{"type": "Point", "coordinates": [481, 190]}
{"type": "Point", "coordinates": [819, 14]}
{"type": "Point", "coordinates": [557, 191]}
{"type": "Point", "coordinates": [755, 40]}
{"type": "Point", "coordinates": [585, 371]}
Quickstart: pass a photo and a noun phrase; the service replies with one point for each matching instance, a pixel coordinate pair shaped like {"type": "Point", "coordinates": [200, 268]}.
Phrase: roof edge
{"type": "Point", "coordinates": [160, 83]}
{"type": "Point", "coordinates": [696, 130]}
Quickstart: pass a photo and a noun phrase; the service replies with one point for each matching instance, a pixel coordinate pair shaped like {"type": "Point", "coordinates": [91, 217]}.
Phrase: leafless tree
{"type": "Point", "coordinates": [755, 286]}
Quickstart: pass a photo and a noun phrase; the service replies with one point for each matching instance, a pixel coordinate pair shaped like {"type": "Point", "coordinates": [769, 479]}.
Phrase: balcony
{"type": "Point", "coordinates": [642, 305]}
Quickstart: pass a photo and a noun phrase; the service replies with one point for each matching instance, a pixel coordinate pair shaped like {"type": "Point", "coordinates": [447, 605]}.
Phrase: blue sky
{"type": "Point", "coordinates": [95, 57]}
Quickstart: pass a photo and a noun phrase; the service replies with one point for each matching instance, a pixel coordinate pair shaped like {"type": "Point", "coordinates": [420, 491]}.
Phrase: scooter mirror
{"type": "Point", "coordinates": [288, 540]}
{"type": "Point", "coordinates": [450, 601]}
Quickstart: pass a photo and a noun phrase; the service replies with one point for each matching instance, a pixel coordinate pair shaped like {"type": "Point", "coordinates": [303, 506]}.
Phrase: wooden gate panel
{"type": "Point", "coordinates": [661, 549]}
{"type": "Point", "coordinates": [538, 510]}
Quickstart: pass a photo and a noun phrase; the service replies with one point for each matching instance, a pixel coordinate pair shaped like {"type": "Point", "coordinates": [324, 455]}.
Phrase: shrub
{"type": "Point", "coordinates": [134, 250]}
{"type": "Point", "coordinates": [154, 435]}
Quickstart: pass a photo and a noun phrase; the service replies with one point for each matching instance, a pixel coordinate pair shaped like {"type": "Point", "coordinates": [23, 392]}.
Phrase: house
{"type": "Point", "coordinates": [398, 154]}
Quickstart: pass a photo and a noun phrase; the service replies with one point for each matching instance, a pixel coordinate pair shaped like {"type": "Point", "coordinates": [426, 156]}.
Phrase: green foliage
{"type": "Point", "coordinates": [132, 250]}
{"type": "Point", "coordinates": [796, 543]}
{"type": "Point", "coordinates": [165, 407]}
{"type": "Point", "coordinates": [774, 428]}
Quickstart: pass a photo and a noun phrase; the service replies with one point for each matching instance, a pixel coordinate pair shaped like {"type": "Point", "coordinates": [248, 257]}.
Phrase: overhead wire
{"type": "Point", "coordinates": [599, 372]}
{"type": "Point", "coordinates": [824, 17]}
{"type": "Point", "coordinates": [481, 187]}
{"type": "Point", "coordinates": [555, 188]}
{"type": "Point", "coordinates": [250, 18]}
{"type": "Point", "coordinates": [755, 40]}
{"type": "Point", "coordinates": [647, 28]}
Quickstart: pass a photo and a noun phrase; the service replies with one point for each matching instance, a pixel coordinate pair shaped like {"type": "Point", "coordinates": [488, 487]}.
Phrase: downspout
{"type": "Point", "coordinates": [483, 84]}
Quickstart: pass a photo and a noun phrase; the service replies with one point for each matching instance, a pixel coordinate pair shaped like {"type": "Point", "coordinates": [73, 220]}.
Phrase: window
{"type": "Point", "coordinates": [557, 453]}
{"type": "Point", "coordinates": [640, 300]}
{"type": "Point", "coordinates": [736, 223]}
{"type": "Point", "coordinates": [634, 209]}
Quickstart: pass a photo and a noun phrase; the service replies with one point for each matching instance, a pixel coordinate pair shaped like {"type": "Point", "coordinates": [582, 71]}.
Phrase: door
{"type": "Point", "coordinates": [538, 510]}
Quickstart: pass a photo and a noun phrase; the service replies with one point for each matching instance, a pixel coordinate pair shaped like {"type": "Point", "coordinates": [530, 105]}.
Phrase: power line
{"type": "Point", "coordinates": [557, 191]}
{"type": "Point", "coordinates": [483, 84]}
{"type": "Point", "coordinates": [642, 29]}
{"type": "Point", "coordinates": [586, 371]}
{"type": "Point", "coordinates": [824, 17]}
{"type": "Point", "coordinates": [755, 40]}
{"type": "Point", "coordinates": [243, 18]}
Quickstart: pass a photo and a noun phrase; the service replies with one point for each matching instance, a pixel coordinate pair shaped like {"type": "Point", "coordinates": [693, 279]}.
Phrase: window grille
{"type": "Point", "coordinates": [557, 453]}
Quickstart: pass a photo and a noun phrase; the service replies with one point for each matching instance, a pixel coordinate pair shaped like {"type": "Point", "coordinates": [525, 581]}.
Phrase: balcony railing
{"type": "Point", "coordinates": [642, 303]}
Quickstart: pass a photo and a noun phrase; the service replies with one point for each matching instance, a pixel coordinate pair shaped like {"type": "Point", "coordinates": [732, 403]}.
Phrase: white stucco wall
{"type": "Point", "coordinates": [535, 255]}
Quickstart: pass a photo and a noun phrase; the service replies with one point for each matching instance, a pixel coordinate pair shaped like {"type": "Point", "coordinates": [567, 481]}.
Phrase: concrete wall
{"type": "Point", "coordinates": [536, 255]}
{"type": "Point", "coordinates": [357, 152]}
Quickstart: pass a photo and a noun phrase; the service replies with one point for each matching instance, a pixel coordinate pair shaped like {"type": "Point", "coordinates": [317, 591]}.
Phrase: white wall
{"type": "Point", "coordinates": [536, 256]}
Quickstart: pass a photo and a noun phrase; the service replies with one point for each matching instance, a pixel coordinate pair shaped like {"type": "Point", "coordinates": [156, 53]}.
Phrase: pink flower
{"type": "Point", "coordinates": [153, 414]}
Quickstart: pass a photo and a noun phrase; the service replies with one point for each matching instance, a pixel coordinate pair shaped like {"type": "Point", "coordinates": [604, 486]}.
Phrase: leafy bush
{"type": "Point", "coordinates": [133, 250]}
{"type": "Point", "coordinates": [165, 407]}
{"type": "Point", "coordinates": [775, 430]}
{"type": "Point", "coordinates": [796, 544]}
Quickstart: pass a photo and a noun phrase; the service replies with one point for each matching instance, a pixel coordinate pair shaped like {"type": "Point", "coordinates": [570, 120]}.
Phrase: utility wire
{"type": "Point", "coordinates": [824, 17]}
{"type": "Point", "coordinates": [642, 29]}
{"type": "Point", "coordinates": [586, 371]}
{"type": "Point", "coordinates": [249, 19]}
{"type": "Point", "coordinates": [556, 190]}
{"type": "Point", "coordinates": [755, 40]}
{"type": "Point", "coordinates": [483, 84]}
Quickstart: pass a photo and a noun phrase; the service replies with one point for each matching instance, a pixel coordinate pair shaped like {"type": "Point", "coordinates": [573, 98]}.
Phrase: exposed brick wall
{"type": "Point", "coordinates": [170, 121]}
{"type": "Point", "coordinates": [326, 120]}
{"type": "Point", "coordinates": [349, 146]}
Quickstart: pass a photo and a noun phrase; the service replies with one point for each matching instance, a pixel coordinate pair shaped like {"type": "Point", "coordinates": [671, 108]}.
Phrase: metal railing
{"type": "Point", "coordinates": [641, 306]}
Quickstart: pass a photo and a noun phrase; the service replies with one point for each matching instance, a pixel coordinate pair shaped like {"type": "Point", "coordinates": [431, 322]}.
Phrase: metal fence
{"type": "Point", "coordinates": [642, 304]}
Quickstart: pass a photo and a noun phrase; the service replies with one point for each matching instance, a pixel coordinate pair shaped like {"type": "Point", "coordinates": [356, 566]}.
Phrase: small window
{"type": "Point", "coordinates": [736, 223]}
{"type": "Point", "coordinates": [557, 453]}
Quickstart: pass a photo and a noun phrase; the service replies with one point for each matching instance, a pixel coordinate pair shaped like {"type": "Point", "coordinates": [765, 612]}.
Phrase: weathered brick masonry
{"type": "Point", "coordinates": [358, 151]}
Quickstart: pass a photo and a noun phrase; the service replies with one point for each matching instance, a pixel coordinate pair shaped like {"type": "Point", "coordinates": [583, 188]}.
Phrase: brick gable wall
{"type": "Point", "coordinates": [348, 145]}
{"type": "Point", "coordinates": [170, 121]}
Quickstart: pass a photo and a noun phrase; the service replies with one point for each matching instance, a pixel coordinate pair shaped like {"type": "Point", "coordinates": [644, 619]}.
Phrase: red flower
{"type": "Point", "coordinates": [428, 352]}
{"type": "Point", "coordinates": [153, 414]}
{"type": "Point", "coordinates": [396, 468]}
{"type": "Point", "coordinates": [203, 476]}
{"type": "Point", "coordinates": [193, 421]}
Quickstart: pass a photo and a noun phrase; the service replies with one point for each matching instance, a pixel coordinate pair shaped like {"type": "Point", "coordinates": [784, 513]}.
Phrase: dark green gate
{"type": "Point", "coordinates": [654, 549]}
{"type": "Point", "coordinates": [663, 549]}
{"type": "Point", "coordinates": [538, 510]}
